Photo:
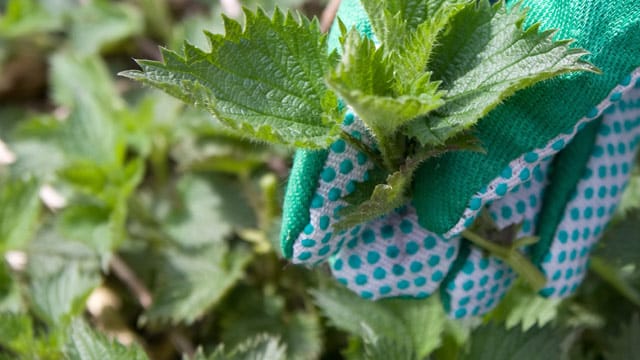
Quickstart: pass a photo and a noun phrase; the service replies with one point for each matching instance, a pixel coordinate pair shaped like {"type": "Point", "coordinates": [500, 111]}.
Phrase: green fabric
{"type": "Point", "coordinates": [300, 191]}
{"type": "Point", "coordinates": [566, 170]}
{"type": "Point", "coordinates": [458, 264]}
{"type": "Point", "coordinates": [307, 165]}
{"type": "Point", "coordinates": [610, 30]}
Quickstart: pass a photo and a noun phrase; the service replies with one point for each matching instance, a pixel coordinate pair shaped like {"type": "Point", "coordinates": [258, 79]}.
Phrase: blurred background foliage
{"type": "Point", "coordinates": [134, 227]}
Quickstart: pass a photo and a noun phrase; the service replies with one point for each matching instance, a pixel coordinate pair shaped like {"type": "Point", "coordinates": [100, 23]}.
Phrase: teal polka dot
{"type": "Point", "coordinates": [324, 222]}
{"type": "Point", "coordinates": [616, 96]}
{"type": "Point", "coordinates": [343, 281]}
{"type": "Point", "coordinates": [384, 290]}
{"type": "Point", "coordinates": [338, 146]}
{"type": "Point", "coordinates": [437, 276]}
{"type": "Point", "coordinates": [601, 211]}
{"type": "Point", "coordinates": [625, 169]}
{"type": "Point", "coordinates": [406, 227]}
{"type": "Point", "coordinates": [366, 295]}
{"type": "Point", "coordinates": [379, 273]}
{"type": "Point", "coordinates": [531, 157]}
{"type": "Point", "coordinates": [494, 289]}
{"type": "Point", "coordinates": [588, 213]}
{"type": "Point", "coordinates": [468, 285]}
{"type": "Point", "coordinates": [602, 172]}
{"type": "Point", "coordinates": [451, 251]}
{"type": "Point", "coordinates": [611, 149]}
{"type": "Point", "coordinates": [483, 264]}
{"type": "Point", "coordinates": [547, 292]}
{"type": "Point", "coordinates": [481, 295]}
{"type": "Point", "coordinates": [501, 189]}
{"type": "Point", "coordinates": [506, 173]}
{"type": "Point", "coordinates": [489, 303]}
{"type": "Point", "coordinates": [575, 235]}
{"type": "Point", "coordinates": [334, 194]}
{"type": "Point", "coordinates": [361, 279]}
{"type": "Point", "coordinates": [403, 284]}
{"type": "Point", "coordinates": [521, 207]}
{"type": "Point", "coordinates": [537, 174]}
{"type": "Point", "coordinates": [460, 313]}
{"type": "Point", "coordinates": [464, 301]}
{"type": "Point", "coordinates": [587, 174]}
{"type": "Point", "coordinates": [468, 268]}
{"type": "Point", "coordinates": [361, 158]}
{"type": "Point", "coordinates": [308, 243]}
{"type": "Point", "coordinates": [337, 265]}
{"type": "Point", "coordinates": [373, 257]}
{"type": "Point", "coordinates": [562, 257]}
{"type": "Point", "coordinates": [308, 229]}
{"type": "Point", "coordinates": [533, 201]}
{"type": "Point", "coordinates": [368, 236]}
{"type": "Point", "coordinates": [434, 260]}
{"type": "Point", "coordinates": [475, 204]}
{"type": "Point", "coordinates": [305, 255]}
{"type": "Point", "coordinates": [602, 192]}
{"type": "Point", "coordinates": [526, 226]}
{"type": "Point", "coordinates": [355, 230]}
{"type": "Point", "coordinates": [416, 266]}
{"type": "Point", "coordinates": [593, 112]}
{"type": "Point", "coordinates": [356, 134]}
{"type": "Point", "coordinates": [328, 174]}
{"type": "Point", "coordinates": [354, 262]}
{"type": "Point", "coordinates": [598, 151]}
{"type": "Point", "coordinates": [563, 237]}
{"type": "Point", "coordinates": [573, 255]}
{"type": "Point", "coordinates": [349, 119]}
{"type": "Point", "coordinates": [525, 174]}
{"type": "Point", "coordinates": [498, 275]}
{"type": "Point", "coordinates": [484, 280]}
{"type": "Point", "coordinates": [411, 248]}
{"type": "Point", "coordinates": [614, 170]}
{"type": "Point", "coordinates": [429, 242]}
{"type": "Point", "coordinates": [317, 202]}
{"type": "Point", "coordinates": [420, 281]}
{"type": "Point", "coordinates": [588, 193]}
{"type": "Point", "coordinates": [346, 166]}
{"type": "Point", "coordinates": [397, 270]}
{"type": "Point", "coordinates": [386, 232]}
{"type": "Point", "coordinates": [558, 145]}
{"type": "Point", "coordinates": [575, 213]}
{"type": "Point", "coordinates": [604, 130]}
{"type": "Point", "coordinates": [557, 275]}
{"type": "Point", "coordinates": [622, 148]}
{"type": "Point", "coordinates": [507, 282]}
{"type": "Point", "coordinates": [351, 187]}
{"type": "Point", "coordinates": [393, 251]}
{"type": "Point", "coordinates": [324, 251]}
{"type": "Point", "coordinates": [506, 212]}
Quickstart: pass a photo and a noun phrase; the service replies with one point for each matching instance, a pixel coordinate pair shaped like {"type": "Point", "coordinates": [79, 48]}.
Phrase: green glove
{"type": "Point", "coordinates": [566, 197]}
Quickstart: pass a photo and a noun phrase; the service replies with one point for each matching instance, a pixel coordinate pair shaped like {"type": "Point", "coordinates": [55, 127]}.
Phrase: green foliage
{"type": "Point", "coordinates": [278, 95]}
{"type": "Point", "coordinates": [87, 344]}
{"type": "Point", "coordinates": [126, 215]}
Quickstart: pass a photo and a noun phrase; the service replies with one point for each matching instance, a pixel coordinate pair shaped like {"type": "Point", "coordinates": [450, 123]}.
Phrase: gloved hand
{"type": "Point", "coordinates": [557, 159]}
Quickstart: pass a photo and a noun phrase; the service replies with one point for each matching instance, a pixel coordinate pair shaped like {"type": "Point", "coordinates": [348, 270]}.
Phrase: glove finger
{"type": "Point", "coordinates": [329, 175]}
{"type": "Point", "coordinates": [597, 194]}
{"type": "Point", "coordinates": [394, 256]}
{"type": "Point", "coordinates": [481, 280]}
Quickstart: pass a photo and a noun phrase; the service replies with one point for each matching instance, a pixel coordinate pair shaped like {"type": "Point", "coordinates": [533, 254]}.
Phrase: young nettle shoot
{"type": "Point", "coordinates": [434, 69]}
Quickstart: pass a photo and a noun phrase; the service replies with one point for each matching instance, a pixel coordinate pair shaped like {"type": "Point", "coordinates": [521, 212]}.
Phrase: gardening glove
{"type": "Point", "coordinates": [557, 158]}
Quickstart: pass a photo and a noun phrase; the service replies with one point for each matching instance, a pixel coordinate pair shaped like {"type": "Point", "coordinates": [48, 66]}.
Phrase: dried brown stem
{"type": "Point", "coordinates": [329, 14]}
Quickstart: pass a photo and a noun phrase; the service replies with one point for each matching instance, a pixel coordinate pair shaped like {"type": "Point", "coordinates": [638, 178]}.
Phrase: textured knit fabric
{"type": "Point", "coordinates": [556, 164]}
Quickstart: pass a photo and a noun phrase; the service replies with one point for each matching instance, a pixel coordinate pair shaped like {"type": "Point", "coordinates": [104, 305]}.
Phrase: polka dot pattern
{"type": "Point", "coordinates": [596, 196]}
{"type": "Point", "coordinates": [395, 257]}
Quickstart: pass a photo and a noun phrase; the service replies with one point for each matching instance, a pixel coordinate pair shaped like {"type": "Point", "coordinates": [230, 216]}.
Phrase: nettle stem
{"type": "Point", "coordinates": [523, 266]}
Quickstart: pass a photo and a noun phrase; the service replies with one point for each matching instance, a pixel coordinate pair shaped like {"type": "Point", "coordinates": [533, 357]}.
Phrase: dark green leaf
{"type": "Point", "coordinates": [85, 343]}
{"type": "Point", "coordinates": [19, 209]}
{"type": "Point", "coordinates": [625, 345]}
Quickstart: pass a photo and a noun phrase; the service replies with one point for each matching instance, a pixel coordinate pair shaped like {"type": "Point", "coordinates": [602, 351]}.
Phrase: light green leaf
{"type": "Point", "coordinates": [494, 342]}
{"type": "Point", "coordinates": [365, 78]}
{"type": "Point", "coordinates": [385, 198]}
{"type": "Point", "coordinates": [625, 345]}
{"type": "Point", "coordinates": [483, 57]}
{"type": "Point", "coordinates": [261, 347]}
{"type": "Point", "coordinates": [19, 210]}
{"type": "Point", "coordinates": [190, 282]}
{"type": "Point", "coordinates": [85, 343]}
{"type": "Point", "coordinates": [59, 297]}
{"type": "Point", "coordinates": [209, 210]}
{"type": "Point", "coordinates": [97, 25]}
{"type": "Point", "coordinates": [16, 332]}
{"type": "Point", "coordinates": [265, 80]}
{"type": "Point", "coordinates": [522, 306]}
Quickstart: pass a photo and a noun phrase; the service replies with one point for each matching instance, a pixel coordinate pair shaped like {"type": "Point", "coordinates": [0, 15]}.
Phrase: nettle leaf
{"type": "Point", "coordinates": [494, 342]}
{"type": "Point", "coordinates": [19, 210]}
{"type": "Point", "coordinates": [625, 345]}
{"type": "Point", "coordinates": [484, 57]}
{"type": "Point", "coordinates": [365, 78]}
{"type": "Point", "coordinates": [413, 328]}
{"type": "Point", "coordinates": [385, 198]}
{"type": "Point", "coordinates": [16, 332]}
{"type": "Point", "coordinates": [85, 343]}
{"type": "Point", "coordinates": [261, 347]}
{"type": "Point", "coordinates": [265, 80]}
{"type": "Point", "coordinates": [190, 282]}
{"type": "Point", "coordinates": [522, 306]}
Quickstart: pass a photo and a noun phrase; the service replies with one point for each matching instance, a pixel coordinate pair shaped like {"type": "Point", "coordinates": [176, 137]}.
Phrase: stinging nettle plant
{"type": "Point", "coordinates": [435, 68]}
